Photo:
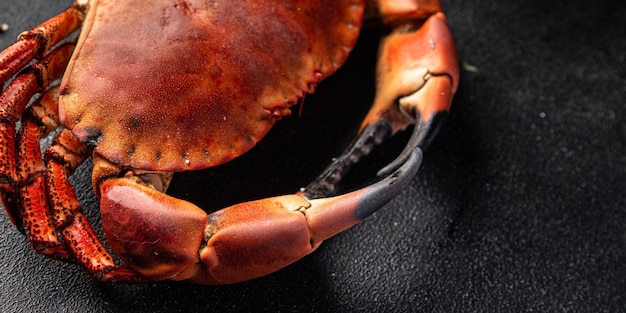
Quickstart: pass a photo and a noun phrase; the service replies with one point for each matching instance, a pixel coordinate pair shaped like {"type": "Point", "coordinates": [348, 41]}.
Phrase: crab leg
{"type": "Point", "coordinates": [36, 42]}
{"type": "Point", "coordinates": [33, 205]}
{"type": "Point", "coordinates": [417, 77]}
{"type": "Point", "coordinates": [162, 237]}
{"type": "Point", "coordinates": [13, 102]}
{"type": "Point", "coordinates": [62, 158]}
{"type": "Point", "coordinates": [23, 176]}
{"type": "Point", "coordinates": [48, 203]}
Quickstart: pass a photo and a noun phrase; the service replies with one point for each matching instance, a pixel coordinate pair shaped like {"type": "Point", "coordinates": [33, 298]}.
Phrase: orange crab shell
{"type": "Point", "coordinates": [176, 85]}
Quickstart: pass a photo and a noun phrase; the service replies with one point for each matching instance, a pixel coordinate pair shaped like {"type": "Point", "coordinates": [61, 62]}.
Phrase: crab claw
{"type": "Point", "coordinates": [161, 237]}
{"type": "Point", "coordinates": [417, 77]}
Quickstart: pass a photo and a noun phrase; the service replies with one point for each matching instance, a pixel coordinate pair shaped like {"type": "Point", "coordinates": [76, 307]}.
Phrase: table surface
{"type": "Point", "coordinates": [519, 204]}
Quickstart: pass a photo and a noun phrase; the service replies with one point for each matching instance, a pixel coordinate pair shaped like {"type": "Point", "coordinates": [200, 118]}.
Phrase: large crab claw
{"type": "Point", "coordinates": [162, 237]}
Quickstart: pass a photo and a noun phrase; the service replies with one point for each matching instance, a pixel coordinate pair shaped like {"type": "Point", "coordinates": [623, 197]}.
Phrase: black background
{"type": "Point", "coordinates": [519, 205]}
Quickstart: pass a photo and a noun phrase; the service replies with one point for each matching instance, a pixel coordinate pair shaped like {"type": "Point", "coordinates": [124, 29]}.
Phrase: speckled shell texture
{"type": "Point", "coordinates": [181, 85]}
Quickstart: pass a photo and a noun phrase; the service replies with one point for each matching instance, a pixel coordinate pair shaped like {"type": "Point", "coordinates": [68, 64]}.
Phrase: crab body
{"type": "Point", "coordinates": [209, 80]}
{"type": "Point", "coordinates": [172, 85]}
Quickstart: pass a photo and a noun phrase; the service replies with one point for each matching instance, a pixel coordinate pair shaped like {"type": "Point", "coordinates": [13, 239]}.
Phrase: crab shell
{"type": "Point", "coordinates": [186, 85]}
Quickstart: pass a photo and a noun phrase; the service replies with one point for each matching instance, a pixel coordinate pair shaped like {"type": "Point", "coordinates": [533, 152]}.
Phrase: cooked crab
{"type": "Point", "coordinates": [156, 87]}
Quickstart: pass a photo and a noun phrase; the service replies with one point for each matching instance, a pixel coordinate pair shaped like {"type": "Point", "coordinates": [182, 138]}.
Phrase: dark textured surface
{"type": "Point", "coordinates": [519, 205]}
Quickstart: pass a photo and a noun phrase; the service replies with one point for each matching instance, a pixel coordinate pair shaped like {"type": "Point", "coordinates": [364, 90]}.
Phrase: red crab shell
{"type": "Point", "coordinates": [176, 85]}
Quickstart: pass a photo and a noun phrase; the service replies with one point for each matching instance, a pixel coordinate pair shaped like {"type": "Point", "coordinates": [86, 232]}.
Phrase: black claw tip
{"type": "Point", "coordinates": [386, 189]}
